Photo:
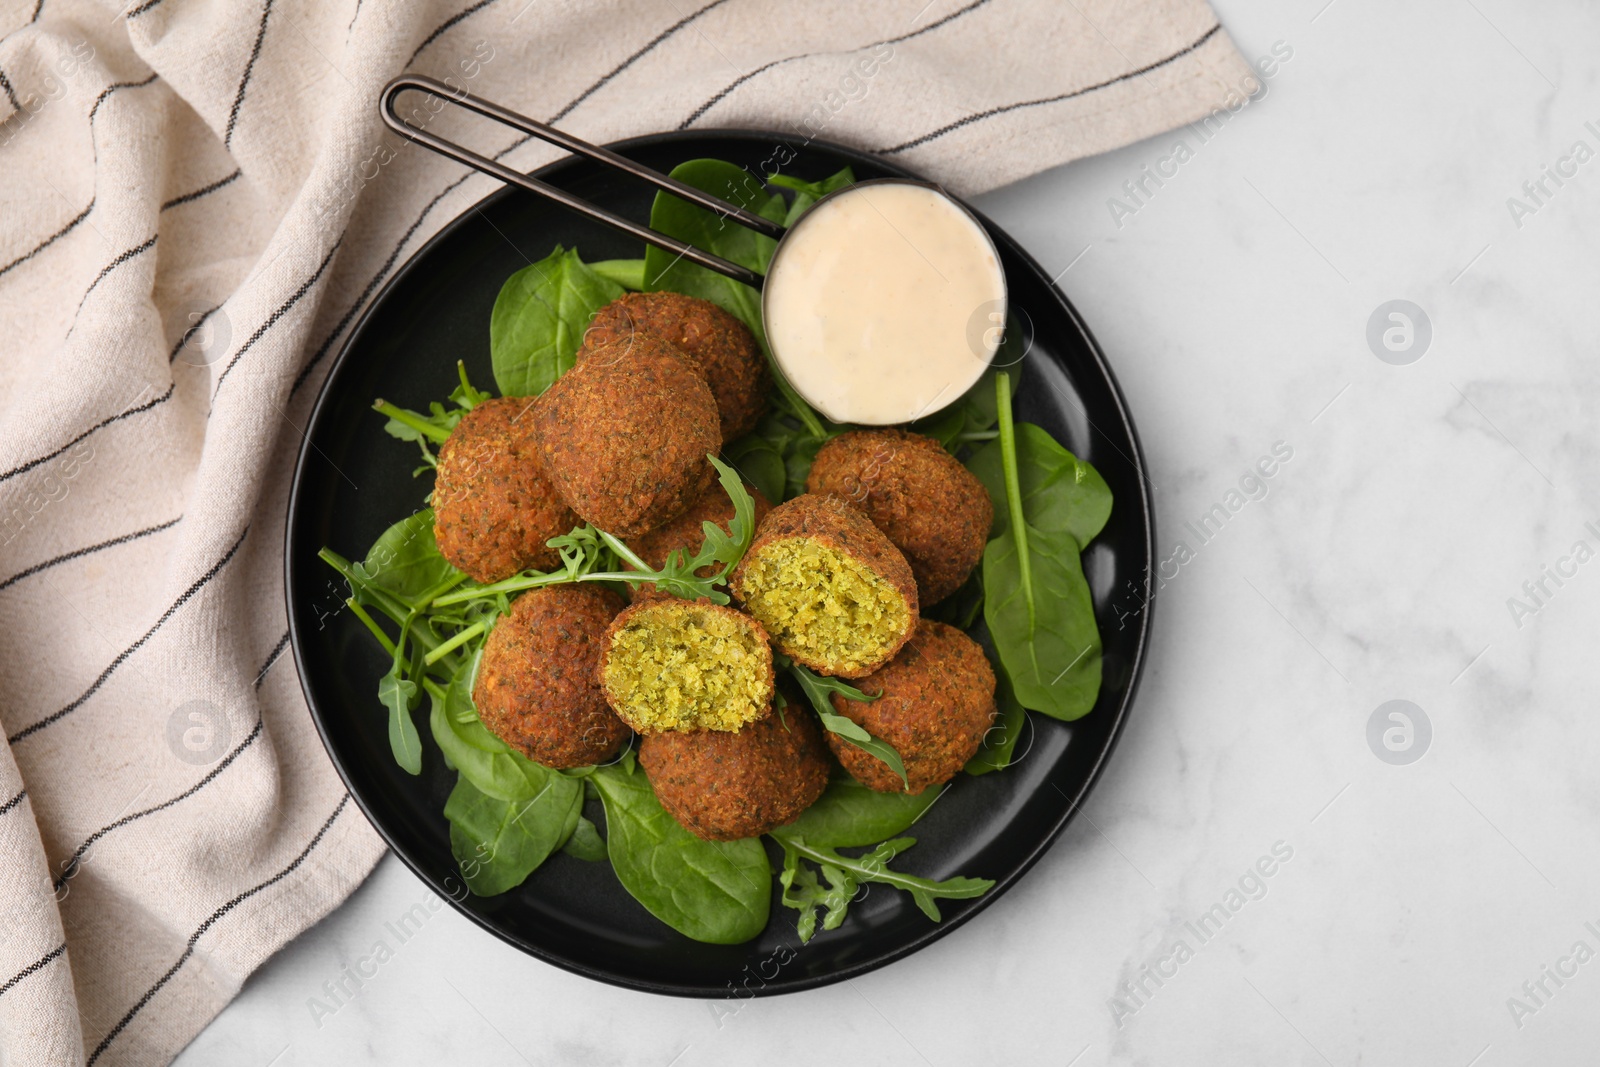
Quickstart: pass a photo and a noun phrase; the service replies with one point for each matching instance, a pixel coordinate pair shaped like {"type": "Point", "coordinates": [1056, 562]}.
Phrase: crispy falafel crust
{"type": "Point", "coordinates": [625, 436]}
{"type": "Point", "coordinates": [668, 664]}
{"type": "Point", "coordinates": [720, 346]}
{"type": "Point", "coordinates": [932, 508]}
{"type": "Point", "coordinates": [536, 688]}
{"type": "Point", "coordinates": [937, 703]}
{"type": "Point", "coordinates": [792, 546]}
{"type": "Point", "coordinates": [493, 507]}
{"type": "Point", "coordinates": [723, 786]}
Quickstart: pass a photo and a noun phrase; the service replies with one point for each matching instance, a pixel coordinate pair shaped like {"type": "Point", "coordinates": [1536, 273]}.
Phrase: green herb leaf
{"type": "Point", "coordinates": [1060, 492]}
{"type": "Point", "coordinates": [715, 233]}
{"type": "Point", "coordinates": [498, 843]}
{"type": "Point", "coordinates": [802, 890]}
{"type": "Point", "coordinates": [492, 766]}
{"type": "Point", "coordinates": [585, 843]}
{"type": "Point", "coordinates": [404, 561]}
{"type": "Point", "coordinates": [760, 464]}
{"type": "Point", "coordinates": [1052, 658]}
{"type": "Point", "coordinates": [848, 814]}
{"type": "Point", "coordinates": [628, 273]}
{"type": "Point", "coordinates": [808, 193]}
{"type": "Point", "coordinates": [817, 689]}
{"type": "Point", "coordinates": [713, 891]}
{"type": "Point", "coordinates": [539, 319]}
{"type": "Point", "coordinates": [398, 694]}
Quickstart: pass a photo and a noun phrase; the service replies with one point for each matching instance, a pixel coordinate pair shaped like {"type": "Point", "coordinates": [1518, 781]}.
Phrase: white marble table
{"type": "Point", "coordinates": [1382, 563]}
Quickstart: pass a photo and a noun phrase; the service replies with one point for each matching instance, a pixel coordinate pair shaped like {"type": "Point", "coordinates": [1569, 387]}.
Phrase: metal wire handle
{"type": "Point", "coordinates": [544, 132]}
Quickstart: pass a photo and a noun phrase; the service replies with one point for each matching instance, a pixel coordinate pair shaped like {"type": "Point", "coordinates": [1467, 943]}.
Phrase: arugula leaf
{"type": "Point", "coordinates": [845, 874]}
{"type": "Point", "coordinates": [436, 426]}
{"type": "Point", "coordinates": [1000, 740]}
{"type": "Point", "coordinates": [398, 694]}
{"type": "Point", "coordinates": [1060, 492]}
{"type": "Point", "coordinates": [817, 689]}
{"type": "Point", "coordinates": [539, 320]}
{"type": "Point", "coordinates": [498, 843]}
{"type": "Point", "coordinates": [713, 891]}
{"type": "Point", "coordinates": [848, 814]}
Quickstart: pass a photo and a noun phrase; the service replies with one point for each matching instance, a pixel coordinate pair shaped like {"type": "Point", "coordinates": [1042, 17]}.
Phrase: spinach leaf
{"type": "Point", "coordinates": [492, 766]}
{"type": "Point", "coordinates": [498, 843]}
{"type": "Point", "coordinates": [849, 814]}
{"type": "Point", "coordinates": [713, 232]}
{"type": "Point", "coordinates": [585, 843]}
{"type": "Point", "coordinates": [803, 891]}
{"type": "Point", "coordinates": [404, 561]}
{"type": "Point", "coordinates": [539, 319]}
{"type": "Point", "coordinates": [1036, 600]}
{"type": "Point", "coordinates": [968, 420]}
{"type": "Point", "coordinates": [1052, 654]}
{"type": "Point", "coordinates": [761, 464]}
{"type": "Point", "coordinates": [1000, 741]}
{"type": "Point", "coordinates": [713, 891]}
{"type": "Point", "coordinates": [808, 193]}
{"type": "Point", "coordinates": [628, 273]}
{"type": "Point", "coordinates": [1060, 492]}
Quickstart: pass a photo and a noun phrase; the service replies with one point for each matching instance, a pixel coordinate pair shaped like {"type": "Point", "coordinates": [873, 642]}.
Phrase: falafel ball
{"type": "Point", "coordinates": [932, 508]}
{"type": "Point", "coordinates": [672, 664]}
{"type": "Point", "coordinates": [493, 506]}
{"type": "Point", "coordinates": [626, 433]}
{"type": "Point", "coordinates": [723, 786]}
{"type": "Point", "coordinates": [831, 589]}
{"type": "Point", "coordinates": [937, 703]}
{"type": "Point", "coordinates": [686, 531]}
{"type": "Point", "coordinates": [536, 688]}
{"type": "Point", "coordinates": [720, 346]}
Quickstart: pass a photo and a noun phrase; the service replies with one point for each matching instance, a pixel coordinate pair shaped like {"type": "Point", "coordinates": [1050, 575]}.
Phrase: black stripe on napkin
{"type": "Point", "coordinates": [37, 965]}
{"type": "Point", "coordinates": [78, 553]}
{"type": "Point", "coordinates": [122, 657]}
{"type": "Point", "coordinates": [272, 320]}
{"type": "Point", "coordinates": [211, 920]}
{"type": "Point", "coordinates": [991, 112]}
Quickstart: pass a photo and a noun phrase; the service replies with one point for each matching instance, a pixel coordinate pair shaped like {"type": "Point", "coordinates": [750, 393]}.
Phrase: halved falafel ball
{"type": "Point", "coordinates": [723, 786]}
{"type": "Point", "coordinates": [686, 532]}
{"type": "Point", "coordinates": [625, 436]}
{"type": "Point", "coordinates": [671, 664]}
{"type": "Point", "coordinates": [932, 508]}
{"type": "Point", "coordinates": [829, 587]}
{"type": "Point", "coordinates": [937, 703]}
{"type": "Point", "coordinates": [536, 687]}
{"type": "Point", "coordinates": [720, 346]}
{"type": "Point", "coordinates": [493, 506]}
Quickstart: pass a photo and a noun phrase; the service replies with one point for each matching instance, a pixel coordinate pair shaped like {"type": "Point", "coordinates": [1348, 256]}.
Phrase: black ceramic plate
{"type": "Point", "coordinates": [352, 481]}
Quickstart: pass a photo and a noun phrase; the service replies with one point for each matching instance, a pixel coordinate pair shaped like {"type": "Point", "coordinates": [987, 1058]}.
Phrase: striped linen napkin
{"type": "Point", "coordinates": [198, 200]}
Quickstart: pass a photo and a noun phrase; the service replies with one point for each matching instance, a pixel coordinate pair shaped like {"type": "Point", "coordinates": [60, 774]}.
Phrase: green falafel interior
{"type": "Point", "coordinates": [687, 666]}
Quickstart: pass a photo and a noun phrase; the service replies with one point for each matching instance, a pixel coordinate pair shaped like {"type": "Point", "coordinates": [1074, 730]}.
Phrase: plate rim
{"type": "Point", "coordinates": [934, 930]}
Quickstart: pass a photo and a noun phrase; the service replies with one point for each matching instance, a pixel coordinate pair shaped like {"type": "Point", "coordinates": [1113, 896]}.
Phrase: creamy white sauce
{"type": "Point", "coordinates": [884, 304]}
